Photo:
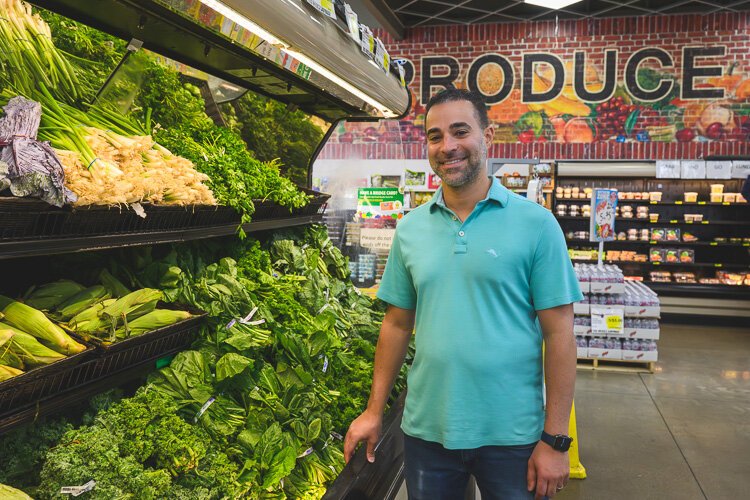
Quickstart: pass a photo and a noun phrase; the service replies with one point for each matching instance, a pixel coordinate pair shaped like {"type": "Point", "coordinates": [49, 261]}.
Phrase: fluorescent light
{"type": "Point", "coordinates": [275, 41]}
{"type": "Point", "coordinates": [387, 113]}
{"type": "Point", "coordinates": [552, 4]}
{"type": "Point", "coordinates": [244, 22]}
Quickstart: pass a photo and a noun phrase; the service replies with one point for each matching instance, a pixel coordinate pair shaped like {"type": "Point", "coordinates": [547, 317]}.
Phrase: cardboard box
{"type": "Point", "coordinates": [641, 333]}
{"type": "Point", "coordinates": [582, 352]}
{"type": "Point", "coordinates": [595, 352]}
{"type": "Point", "coordinates": [579, 308]}
{"type": "Point", "coordinates": [607, 287]}
{"type": "Point", "coordinates": [642, 311]}
{"type": "Point", "coordinates": [582, 331]}
{"type": "Point", "coordinates": [585, 286]}
{"type": "Point", "coordinates": [629, 355]}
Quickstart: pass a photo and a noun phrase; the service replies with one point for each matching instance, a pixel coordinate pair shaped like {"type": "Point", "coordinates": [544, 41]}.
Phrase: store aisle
{"type": "Point", "coordinates": [680, 433]}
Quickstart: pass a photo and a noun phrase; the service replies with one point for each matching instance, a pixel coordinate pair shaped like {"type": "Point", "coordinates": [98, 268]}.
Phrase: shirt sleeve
{"type": "Point", "coordinates": [553, 280]}
{"type": "Point", "coordinates": [396, 286]}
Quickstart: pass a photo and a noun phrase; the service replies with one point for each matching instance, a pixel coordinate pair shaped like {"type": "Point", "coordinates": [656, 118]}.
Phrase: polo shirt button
{"type": "Point", "coordinates": [455, 218]}
{"type": "Point", "coordinates": [461, 233]}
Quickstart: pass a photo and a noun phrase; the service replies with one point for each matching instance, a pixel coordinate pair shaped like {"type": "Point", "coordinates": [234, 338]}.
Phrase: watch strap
{"type": "Point", "coordinates": [559, 442]}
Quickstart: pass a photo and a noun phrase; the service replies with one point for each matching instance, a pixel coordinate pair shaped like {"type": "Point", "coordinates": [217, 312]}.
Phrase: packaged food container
{"type": "Point", "coordinates": [672, 234]}
{"type": "Point", "coordinates": [689, 218]}
{"type": "Point", "coordinates": [730, 197]}
{"type": "Point", "coordinates": [653, 217]}
{"type": "Point", "coordinates": [645, 195]}
{"type": "Point", "coordinates": [697, 217]}
{"type": "Point", "coordinates": [657, 255]}
{"type": "Point", "coordinates": [655, 195]}
{"type": "Point", "coordinates": [691, 197]}
{"type": "Point", "coordinates": [621, 195]}
{"type": "Point", "coordinates": [628, 196]}
{"type": "Point", "coordinates": [717, 188]}
{"type": "Point", "coordinates": [658, 234]}
{"type": "Point", "coordinates": [717, 197]}
{"type": "Point", "coordinates": [575, 191]}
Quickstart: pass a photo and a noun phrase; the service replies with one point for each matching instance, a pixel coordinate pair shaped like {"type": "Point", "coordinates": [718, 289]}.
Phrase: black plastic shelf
{"type": "Point", "coordinates": [657, 203]}
{"type": "Point", "coordinates": [50, 246]}
{"type": "Point", "coordinates": [664, 243]}
{"type": "Point", "coordinates": [718, 265]}
{"type": "Point", "coordinates": [362, 480]}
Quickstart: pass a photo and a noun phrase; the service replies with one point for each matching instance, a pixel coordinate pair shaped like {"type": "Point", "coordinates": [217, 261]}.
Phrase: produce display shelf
{"type": "Point", "coordinates": [665, 243]}
{"type": "Point", "coordinates": [57, 245]}
{"type": "Point", "coordinates": [382, 479]}
{"type": "Point", "coordinates": [55, 387]}
{"type": "Point", "coordinates": [662, 223]}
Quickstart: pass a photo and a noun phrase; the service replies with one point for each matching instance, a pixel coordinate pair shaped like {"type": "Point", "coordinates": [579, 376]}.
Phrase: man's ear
{"type": "Point", "coordinates": [489, 135]}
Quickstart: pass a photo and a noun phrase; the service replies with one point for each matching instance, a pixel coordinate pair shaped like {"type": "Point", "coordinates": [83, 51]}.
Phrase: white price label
{"type": "Point", "coordinates": [367, 41]}
{"type": "Point", "coordinates": [352, 21]}
{"type": "Point", "coordinates": [324, 6]}
{"type": "Point", "coordinates": [381, 55]}
{"type": "Point", "coordinates": [606, 320]}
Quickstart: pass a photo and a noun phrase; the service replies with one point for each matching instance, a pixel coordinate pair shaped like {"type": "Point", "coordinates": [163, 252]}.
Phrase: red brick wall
{"type": "Point", "coordinates": [671, 33]}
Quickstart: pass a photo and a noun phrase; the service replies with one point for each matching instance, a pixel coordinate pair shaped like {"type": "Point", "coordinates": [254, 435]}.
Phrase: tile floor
{"type": "Point", "coordinates": [680, 433]}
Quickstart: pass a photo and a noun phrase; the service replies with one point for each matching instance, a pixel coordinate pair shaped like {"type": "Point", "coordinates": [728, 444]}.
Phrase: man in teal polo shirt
{"type": "Point", "coordinates": [484, 275]}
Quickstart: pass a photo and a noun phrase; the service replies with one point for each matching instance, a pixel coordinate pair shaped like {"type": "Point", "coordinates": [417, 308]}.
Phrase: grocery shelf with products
{"type": "Point", "coordinates": [669, 231]}
{"type": "Point", "coordinates": [107, 279]}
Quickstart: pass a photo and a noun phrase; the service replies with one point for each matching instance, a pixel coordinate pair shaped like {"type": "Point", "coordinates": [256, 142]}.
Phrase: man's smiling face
{"type": "Point", "coordinates": [456, 143]}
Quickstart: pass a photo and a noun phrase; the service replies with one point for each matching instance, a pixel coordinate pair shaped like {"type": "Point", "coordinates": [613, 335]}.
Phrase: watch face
{"type": "Point", "coordinates": [562, 443]}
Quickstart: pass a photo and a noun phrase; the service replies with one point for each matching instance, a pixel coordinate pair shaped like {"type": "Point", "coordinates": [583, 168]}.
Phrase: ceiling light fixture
{"type": "Point", "coordinates": [272, 39]}
{"type": "Point", "coordinates": [552, 4]}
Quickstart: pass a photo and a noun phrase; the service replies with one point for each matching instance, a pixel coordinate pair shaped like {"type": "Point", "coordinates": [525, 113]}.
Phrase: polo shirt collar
{"type": "Point", "coordinates": [497, 192]}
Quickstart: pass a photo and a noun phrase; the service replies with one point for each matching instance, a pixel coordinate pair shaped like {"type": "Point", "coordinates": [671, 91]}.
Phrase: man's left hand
{"type": "Point", "coordinates": [548, 471]}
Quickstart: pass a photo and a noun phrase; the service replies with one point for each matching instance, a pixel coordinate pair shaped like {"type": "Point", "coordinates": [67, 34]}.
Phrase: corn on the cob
{"type": "Point", "coordinates": [7, 356]}
{"type": "Point", "coordinates": [29, 320]}
{"type": "Point", "coordinates": [49, 296]}
{"type": "Point", "coordinates": [80, 301]}
{"type": "Point", "coordinates": [158, 318]}
{"type": "Point", "coordinates": [131, 303]}
{"type": "Point", "coordinates": [112, 284]}
{"type": "Point", "coordinates": [10, 493]}
{"type": "Point", "coordinates": [7, 372]}
{"type": "Point", "coordinates": [29, 349]}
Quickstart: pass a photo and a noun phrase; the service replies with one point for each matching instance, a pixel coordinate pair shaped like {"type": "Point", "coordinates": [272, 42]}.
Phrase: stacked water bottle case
{"type": "Point", "coordinates": [607, 292]}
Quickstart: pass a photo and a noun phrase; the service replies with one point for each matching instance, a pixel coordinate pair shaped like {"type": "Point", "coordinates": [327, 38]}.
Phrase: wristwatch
{"type": "Point", "coordinates": [559, 442]}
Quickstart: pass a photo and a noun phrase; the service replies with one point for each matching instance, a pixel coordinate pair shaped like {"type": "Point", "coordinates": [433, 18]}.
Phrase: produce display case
{"type": "Point", "coordinates": [699, 240]}
{"type": "Point", "coordinates": [195, 34]}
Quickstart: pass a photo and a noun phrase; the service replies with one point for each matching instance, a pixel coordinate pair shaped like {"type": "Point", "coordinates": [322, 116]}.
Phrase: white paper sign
{"type": "Point", "coordinates": [668, 169]}
{"type": "Point", "coordinates": [718, 170]}
{"type": "Point", "coordinates": [376, 238]}
{"type": "Point", "coordinates": [740, 169]}
{"type": "Point", "coordinates": [694, 169]}
{"type": "Point", "coordinates": [381, 55]}
{"type": "Point", "coordinates": [352, 21]}
{"type": "Point", "coordinates": [607, 320]}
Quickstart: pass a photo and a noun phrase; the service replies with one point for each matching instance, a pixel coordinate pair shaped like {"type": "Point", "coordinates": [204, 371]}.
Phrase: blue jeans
{"type": "Point", "coordinates": [435, 473]}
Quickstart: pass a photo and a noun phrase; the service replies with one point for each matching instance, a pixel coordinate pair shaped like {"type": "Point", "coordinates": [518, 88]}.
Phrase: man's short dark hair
{"type": "Point", "coordinates": [454, 94]}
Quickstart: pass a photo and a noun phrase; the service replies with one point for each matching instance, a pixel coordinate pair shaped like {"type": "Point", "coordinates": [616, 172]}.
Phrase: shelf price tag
{"type": "Point", "coordinates": [678, 203]}
{"type": "Point", "coordinates": [381, 55]}
{"type": "Point", "coordinates": [725, 203]}
{"type": "Point", "coordinates": [718, 265]}
{"type": "Point", "coordinates": [714, 244]}
{"type": "Point", "coordinates": [673, 221]}
{"type": "Point", "coordinates": [367, 41]}
{"type": "Point", "coordinates": [607, 320]}
{"type": "Point", "coordinates": [704, 222]}
{"type": "Point", "coordinates": [324, 6]}
{"type": "Point", "coordinates": [746, 244]}
{"type": "Point", "coordinates": [654, 202]}
{"type": "Point", "coordinates": [701, 203]}
{"type": "Point", "coordinates": [688, 222]}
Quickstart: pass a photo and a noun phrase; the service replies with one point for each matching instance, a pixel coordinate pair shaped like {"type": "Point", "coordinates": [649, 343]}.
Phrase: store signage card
{"type": "Point", "coordinates": [376, 238]}
{"type": "Point", "coordinates": [694, 169]}
{"type": "Point", "coordinates": [603, 205]}
{"type": "Point", "coordinates": [668, 169]}
{"type": "Point", "coordinates": [376, 203]}
{"type": "Point", "coordinates": [381, 55]}
{"type": "Point", "coordinates": [352, 21]}
{"type": "Point", "coordinates": [718, 170]}
{"type": "Point", "coordinates": [366, 41]}
{"type": "Point", "coordinates": [415, 179]}
{"type": "Point", "coordinates": [324, 6]}
{"type": "Point", "coordinates": [740, 169]}
{"type": "Point", "coordinates": [434, 181]}
{"type": "Point", "coordinates": [607, 320]}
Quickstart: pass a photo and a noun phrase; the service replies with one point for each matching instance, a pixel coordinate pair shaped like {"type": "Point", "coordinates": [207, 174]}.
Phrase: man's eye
{"type": "Point", "coordinates": [461, 133]}
{"type": "Point", "coordinates": [433, 138]}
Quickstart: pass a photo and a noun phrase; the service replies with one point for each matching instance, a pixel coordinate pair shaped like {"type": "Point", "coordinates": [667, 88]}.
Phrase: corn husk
{"type": "Point", "coordinates": [112, 284]}
{"type": "Point", "coordinates": [27, 319]}
{"type": "Point", "coordinates": [51, 295]}
{"type": "Point", "coordinates": [158, 318]}
{"type": "Point", "coordinates": [80, 301]}
{"type": "Point", "coordinates": [9, 493]}
{"type": "Point", "coordinates": [31, 352]}
{"type": "Point", "coordinates": [7, 372]}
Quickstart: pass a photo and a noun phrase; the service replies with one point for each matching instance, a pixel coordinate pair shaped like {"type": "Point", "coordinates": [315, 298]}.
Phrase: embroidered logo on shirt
{"type": "Point", "coordinates": [492, 252]}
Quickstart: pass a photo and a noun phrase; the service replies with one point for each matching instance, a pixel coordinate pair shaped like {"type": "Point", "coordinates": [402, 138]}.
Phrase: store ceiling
{"type": "Point", "coordinates": [396, 15]}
